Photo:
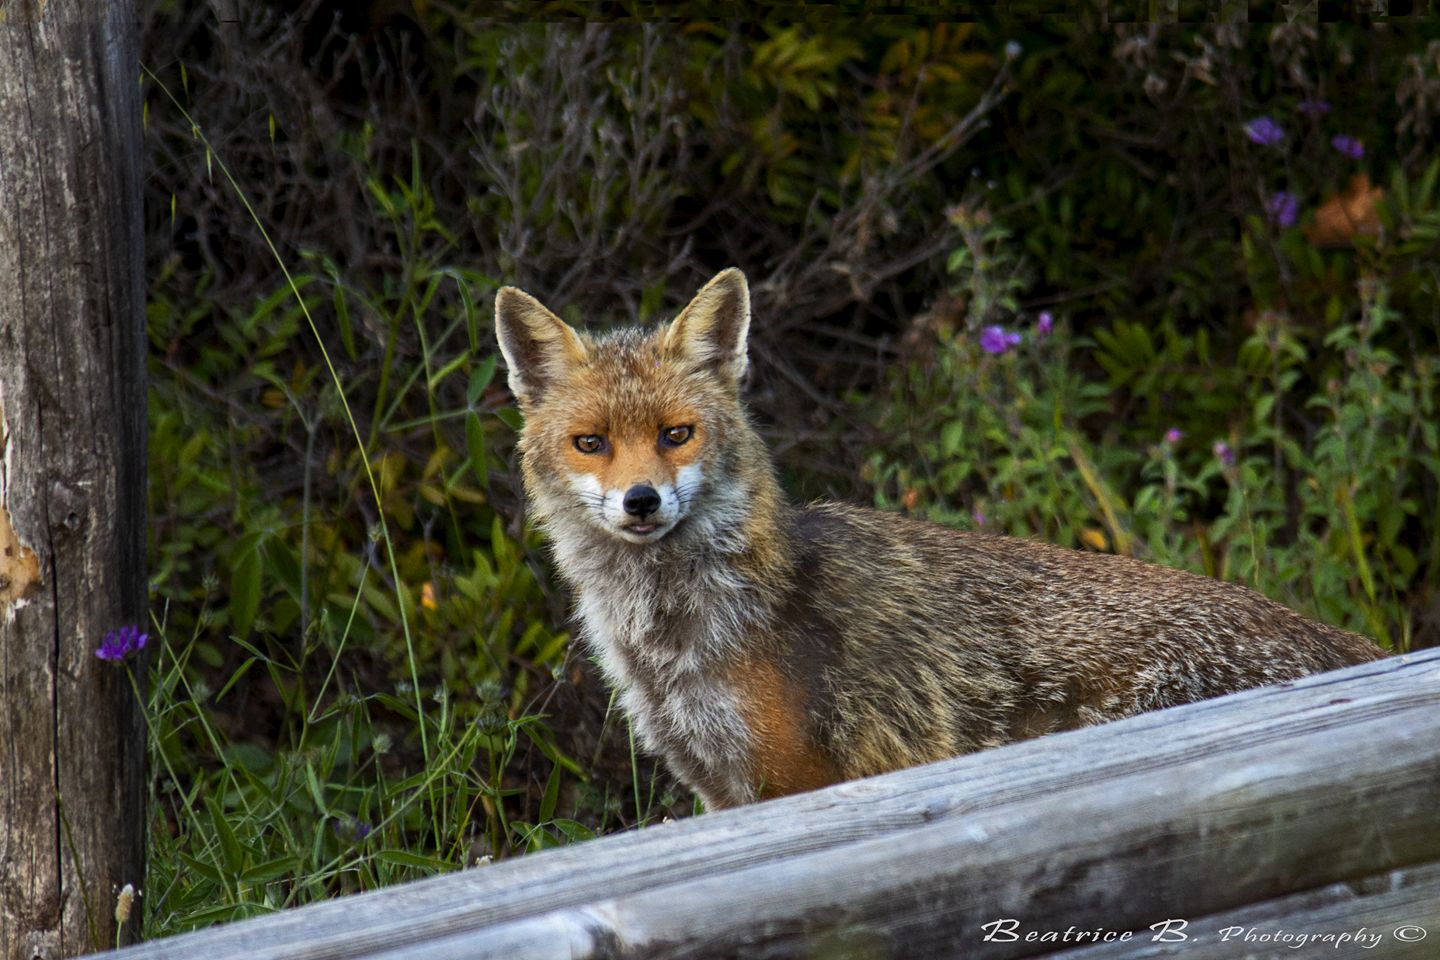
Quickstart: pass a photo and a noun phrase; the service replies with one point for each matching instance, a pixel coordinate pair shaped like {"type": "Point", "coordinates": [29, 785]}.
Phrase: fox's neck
{"type": "Point", "coordinates": [693, 596]}
{"type": "Point", "coordinates": [669, 621]}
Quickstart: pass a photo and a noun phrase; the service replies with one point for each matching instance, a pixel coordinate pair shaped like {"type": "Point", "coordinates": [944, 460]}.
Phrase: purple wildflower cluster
{"type": "Point", "coordinates": [1224, 454]}
{"type": "Point", "coordinates": [1173, 436]}
{"type": "Point", "coordinates": [1265, 131]}
{"type": "Point", "coordinates": [1282, 208]}
{"type": "Point", "coordinates": [1348, 145]}
{"type": "Point", "coordinates": [119, 644]}
{"type": "Point", "coordinates": [997, 339]}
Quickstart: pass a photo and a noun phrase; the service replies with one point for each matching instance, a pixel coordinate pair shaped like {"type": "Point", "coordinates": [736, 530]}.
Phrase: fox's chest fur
{"type": "Point", "coordinates": [666, 631]}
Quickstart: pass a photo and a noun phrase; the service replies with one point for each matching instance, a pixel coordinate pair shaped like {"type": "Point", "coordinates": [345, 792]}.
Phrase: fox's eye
{"type": "Point", "coordinates": [674, 436]}
{"type": "Point", "coordinates": [589, 443]}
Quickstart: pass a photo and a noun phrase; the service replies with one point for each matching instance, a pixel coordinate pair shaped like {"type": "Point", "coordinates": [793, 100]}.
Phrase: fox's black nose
{"type": "Point", "coordinates": [641, 500]}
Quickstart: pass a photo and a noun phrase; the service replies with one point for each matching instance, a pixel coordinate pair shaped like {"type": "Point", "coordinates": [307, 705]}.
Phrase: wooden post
{"type": "Point", "coordinates": [72, 472]}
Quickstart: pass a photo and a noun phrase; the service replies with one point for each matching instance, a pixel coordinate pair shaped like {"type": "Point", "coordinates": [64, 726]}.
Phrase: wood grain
{"type": "Point", "coordinates": [1189, 812]}
{"type": "Point", "coordinates": [72, 470]}
{"type": "Point", "coordinates": [1374, 908]}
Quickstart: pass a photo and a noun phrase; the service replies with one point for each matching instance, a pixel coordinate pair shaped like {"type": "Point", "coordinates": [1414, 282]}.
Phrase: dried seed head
{"type": "Point", "coordinates": [123, 902]}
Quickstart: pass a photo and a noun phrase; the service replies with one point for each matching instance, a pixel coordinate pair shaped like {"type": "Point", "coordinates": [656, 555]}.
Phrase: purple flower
{"type": "Point", "coordinates": [347, 827]}
{"type": "Point", "coordinates": [997, 339]}
{"type": "Point", "coordinates": [1224, 454]}
{"type": "Point", "coordinates": [1282, 209]}
{"type": "Point", "coordinates": [1174, 435]}
{"type": "Point", "coordinates": [1264, 131]}
{"type": "Point", "coordinates": [1044, 323]}
{"type": "Point", "coordinates": [1313, 107]}
{"type": "Point", "coordinates": [119, 644]}
{"type": "Point", "coordinates": [1348, 145]}
{"type": "Point", "coordinates": [978, 516]}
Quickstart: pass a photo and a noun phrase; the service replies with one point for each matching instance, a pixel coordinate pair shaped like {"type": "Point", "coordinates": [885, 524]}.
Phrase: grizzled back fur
{"type": "Point", "coordinates": [764, 648]}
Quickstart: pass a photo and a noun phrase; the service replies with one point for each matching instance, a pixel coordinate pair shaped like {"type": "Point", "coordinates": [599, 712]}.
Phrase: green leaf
{"type": "Point", "coordinates": [480, 378]}
{"type": "Point", "coordinates": [312, 783]}
{"type": "Point", "coordinates": [271, 870]}
{"type": "Point", "coordinates": [342, 317]}
{"type": "Point", "coordinates": [404, 858]}
{"type": "Point", "coordinates": [475, 445]}
{"type": "Point", "coordinates": [245, 568]}
{"type": "Point", "coordinates": [206, 871]}
{"type": "Point", "coordinates": [1263, 406]}
{"type": "Point", "coordinates": [240, 671]}
{"type": "Point", "coordinates": [445, 371]}
{"type": "Point", "coordinates": [952, 438]}
{"type": "Point", "coordinates": [230, 848]}
{"type": "Point", "coordinates": [552, 795]}
{"type": "Point", "coordinates": [573, 830]}
{"type": "Point", "coordinates": [1404, 559]}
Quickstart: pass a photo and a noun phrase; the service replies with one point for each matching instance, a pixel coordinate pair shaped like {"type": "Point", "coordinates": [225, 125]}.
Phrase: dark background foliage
{"type": "Point", "coordinates": [366, 672]}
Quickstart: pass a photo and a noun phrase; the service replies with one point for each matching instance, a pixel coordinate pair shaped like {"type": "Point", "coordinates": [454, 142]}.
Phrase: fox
{"type": "Point", "coordinates": [763, 648]}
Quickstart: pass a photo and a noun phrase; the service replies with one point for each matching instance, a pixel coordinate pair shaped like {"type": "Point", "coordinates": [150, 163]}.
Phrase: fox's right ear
{"type": "Point", "coordinates": [538, 346]}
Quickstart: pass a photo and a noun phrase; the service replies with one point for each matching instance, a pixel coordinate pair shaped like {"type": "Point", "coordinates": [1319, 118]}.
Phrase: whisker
{"type": "Point", "coordinates": [591, 501]}
{"type": "Point", "coordinates": [685, 493]}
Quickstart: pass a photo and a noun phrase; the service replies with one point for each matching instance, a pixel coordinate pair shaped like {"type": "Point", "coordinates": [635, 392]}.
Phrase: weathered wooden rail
{"type": "Point", "coordinates": [1309, 809]}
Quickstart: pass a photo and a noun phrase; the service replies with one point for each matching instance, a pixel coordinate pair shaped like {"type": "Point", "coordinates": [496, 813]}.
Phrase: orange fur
{"type": "Point", "coordinates": [784, 757]}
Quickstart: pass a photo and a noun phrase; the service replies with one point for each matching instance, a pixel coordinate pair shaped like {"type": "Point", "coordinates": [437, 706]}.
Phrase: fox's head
{"type": "Point", "coordinates": [630, 432]}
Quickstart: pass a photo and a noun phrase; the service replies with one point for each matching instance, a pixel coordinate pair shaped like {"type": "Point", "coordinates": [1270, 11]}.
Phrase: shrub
{"type": "Point", "coordinates": [365, 674]}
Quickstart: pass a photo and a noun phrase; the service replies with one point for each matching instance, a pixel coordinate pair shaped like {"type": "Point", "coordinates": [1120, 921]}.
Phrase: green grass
{"type": "Point", "coordinates": [365, 700]}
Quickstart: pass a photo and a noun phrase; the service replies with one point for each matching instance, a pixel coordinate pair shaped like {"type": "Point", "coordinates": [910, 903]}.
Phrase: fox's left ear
{"type": "Point", "coordinates": [712, 330]}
